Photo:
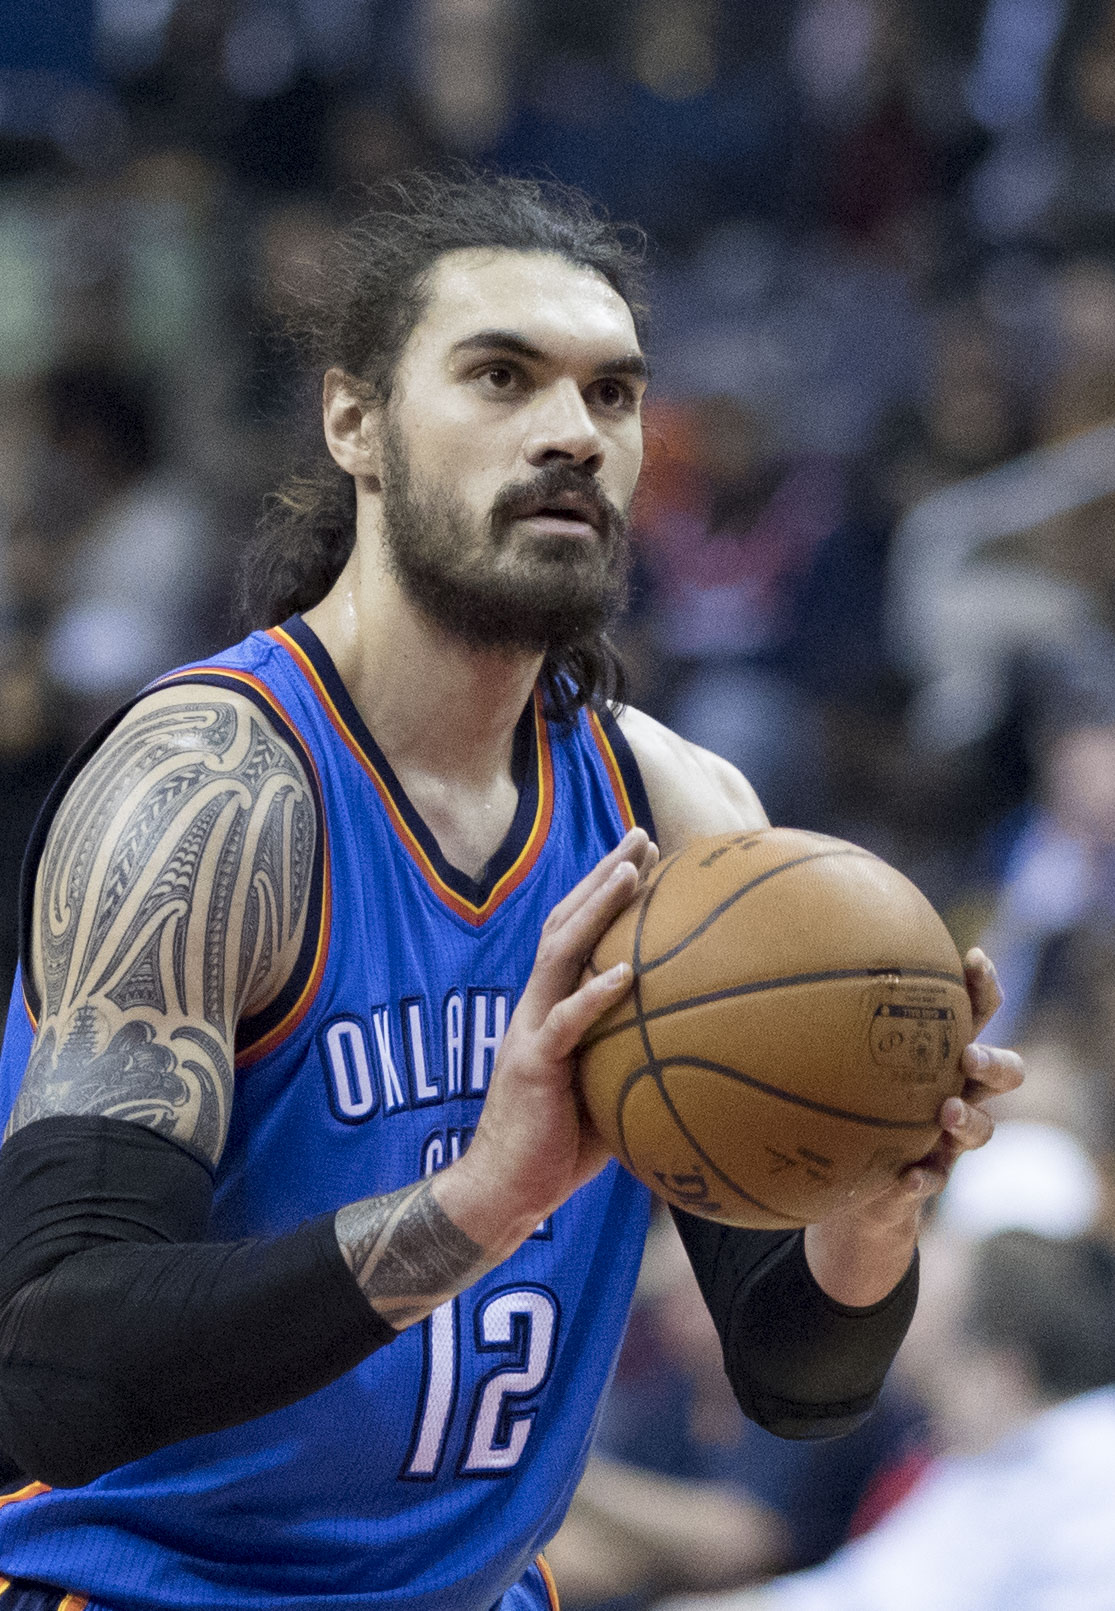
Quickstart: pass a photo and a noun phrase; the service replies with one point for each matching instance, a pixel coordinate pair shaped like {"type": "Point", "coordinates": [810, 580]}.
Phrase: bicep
{"type": "Point", "coordinates": [171, 894]}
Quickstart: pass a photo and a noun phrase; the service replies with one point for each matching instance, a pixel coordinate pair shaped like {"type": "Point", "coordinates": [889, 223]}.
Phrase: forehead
{"type": "Point", "coordinates": [552, 303]}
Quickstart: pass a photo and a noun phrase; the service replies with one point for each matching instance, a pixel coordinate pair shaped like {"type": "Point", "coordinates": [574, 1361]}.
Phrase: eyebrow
{"type": "Point", "coordinates": [633, 364]}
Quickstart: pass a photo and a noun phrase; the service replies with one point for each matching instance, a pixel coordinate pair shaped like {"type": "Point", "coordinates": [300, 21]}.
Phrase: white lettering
{"type": "Point", "coordinates": [393, 1097]}
{"type": "Point", "coordinates": [423, 1090]}
{"type": "Point", "coordinates": [486, 1042]}
{"type": "Point", "coordinates": [347, 1049]}
{"type": "Point", "coordinates": [454, 1043]}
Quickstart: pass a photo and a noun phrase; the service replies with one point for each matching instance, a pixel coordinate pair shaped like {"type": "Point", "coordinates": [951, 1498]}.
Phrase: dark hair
{"type": "Point", "coordinates": [1051, 1301]}
{"type": "Point", "coordinates": [372, 292]}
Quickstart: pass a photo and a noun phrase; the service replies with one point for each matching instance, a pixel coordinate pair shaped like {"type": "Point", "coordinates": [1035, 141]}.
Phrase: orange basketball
{"type": "Point", "coordinates": [796, 1021]}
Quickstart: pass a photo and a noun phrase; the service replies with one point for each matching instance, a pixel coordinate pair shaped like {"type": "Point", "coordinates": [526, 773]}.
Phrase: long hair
{"type": "Point", "coordinates": [372, 292]}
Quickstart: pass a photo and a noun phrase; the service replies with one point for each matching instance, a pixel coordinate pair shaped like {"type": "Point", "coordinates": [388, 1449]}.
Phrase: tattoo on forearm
{"type": "Point", "coordinates": [406, 1253]}
{"type": "Point", "coordinates": [172, 893]}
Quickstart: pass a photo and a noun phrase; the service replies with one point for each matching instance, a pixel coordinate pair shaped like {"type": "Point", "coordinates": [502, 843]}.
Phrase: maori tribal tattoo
{"type": "Point", "coordinates": [406, 1253]}
{"type": "Point", "coordinates": [171, 896]}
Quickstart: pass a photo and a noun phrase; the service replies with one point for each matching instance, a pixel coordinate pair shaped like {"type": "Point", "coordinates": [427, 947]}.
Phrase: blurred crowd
{"type": "Point", "coordinates": [873, 568]}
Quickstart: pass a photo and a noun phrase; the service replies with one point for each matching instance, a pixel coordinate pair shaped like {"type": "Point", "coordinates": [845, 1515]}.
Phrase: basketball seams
{"type": "Point", "coordinates": [637, 955]}
{"type": "Point", "coordinates": [740, 1078]}
{"type": "Point", "coordinates": [637, 1000]}
{"type": "Point", "coordinates": [652, 1070]}
{"type": "Point", "coordinates": [717, 912]}
{"type": "Point", "coordinates": [787, 980]}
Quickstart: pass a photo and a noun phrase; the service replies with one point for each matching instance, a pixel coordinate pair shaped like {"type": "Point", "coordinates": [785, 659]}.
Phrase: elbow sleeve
{"type": "Point", "coordinates": [800, 1364]}
{"type": "Point", "coordinates": [121, 1331]}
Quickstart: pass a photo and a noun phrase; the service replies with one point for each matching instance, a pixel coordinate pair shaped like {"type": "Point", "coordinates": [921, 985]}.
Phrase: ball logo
{"type": "Point", "coordinates": [691, 1191]}
{"type": "Point", "coordinates": [913, 1042]}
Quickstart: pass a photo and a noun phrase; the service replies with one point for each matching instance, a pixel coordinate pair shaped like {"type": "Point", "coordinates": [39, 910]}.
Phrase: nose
{"type": "Point", "coordinates": [562, 429]}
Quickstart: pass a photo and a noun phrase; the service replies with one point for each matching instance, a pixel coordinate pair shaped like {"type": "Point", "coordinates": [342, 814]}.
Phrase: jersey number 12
{"type": "Point", "coordinates": [518, 1321]}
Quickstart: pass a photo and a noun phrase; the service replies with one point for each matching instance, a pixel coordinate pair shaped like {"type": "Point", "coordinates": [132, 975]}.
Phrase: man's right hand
{"type": "Point", "coordinates": [533, 1147]}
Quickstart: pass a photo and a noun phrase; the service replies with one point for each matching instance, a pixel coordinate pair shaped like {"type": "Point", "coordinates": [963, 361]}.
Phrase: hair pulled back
{"type": "Point", "coordinates": [371, 292]}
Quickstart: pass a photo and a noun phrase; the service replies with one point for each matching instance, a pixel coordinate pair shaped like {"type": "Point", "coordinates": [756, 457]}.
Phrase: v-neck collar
{"type": "Point", "coordinates": [532, 769]}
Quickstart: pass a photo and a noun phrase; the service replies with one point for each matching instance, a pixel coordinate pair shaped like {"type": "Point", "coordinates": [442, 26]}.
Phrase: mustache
{"type": "Point", "coordinates": [523, 498]}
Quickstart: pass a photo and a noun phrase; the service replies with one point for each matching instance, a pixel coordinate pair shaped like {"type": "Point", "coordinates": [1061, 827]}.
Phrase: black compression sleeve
{"type": "Point", "coordinates": [121, 1331]}
{"type": "Point", "coordinates": [801, 1364]}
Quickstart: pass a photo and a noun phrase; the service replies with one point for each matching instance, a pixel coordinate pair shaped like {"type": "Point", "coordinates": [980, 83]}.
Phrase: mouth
{"type": "Point", "coordinates": [566, 514]}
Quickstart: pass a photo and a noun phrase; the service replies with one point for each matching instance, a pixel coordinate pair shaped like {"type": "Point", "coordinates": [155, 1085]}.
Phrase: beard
{"type": "Point", "coordinates": [546, 595]}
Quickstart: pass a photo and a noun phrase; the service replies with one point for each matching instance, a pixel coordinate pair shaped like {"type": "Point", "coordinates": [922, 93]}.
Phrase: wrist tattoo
{"type": "Point", "coordinates": [405, 1252]}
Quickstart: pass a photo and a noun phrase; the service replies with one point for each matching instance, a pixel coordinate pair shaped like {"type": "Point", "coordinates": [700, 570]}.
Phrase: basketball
{"type": "Point", "coordinates": [796, 1020]}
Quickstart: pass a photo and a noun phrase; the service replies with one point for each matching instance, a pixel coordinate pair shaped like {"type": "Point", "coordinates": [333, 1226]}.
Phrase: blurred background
{"type": "Point", "coordinates": [875, 566]}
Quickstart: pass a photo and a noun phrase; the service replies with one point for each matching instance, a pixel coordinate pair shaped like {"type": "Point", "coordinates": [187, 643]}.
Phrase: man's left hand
{"type": "Point", "coordinates": [860, 1255]}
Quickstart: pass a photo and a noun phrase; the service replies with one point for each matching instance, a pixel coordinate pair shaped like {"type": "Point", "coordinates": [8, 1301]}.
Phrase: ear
{"type": "Point", "coordinates": [351, 421]}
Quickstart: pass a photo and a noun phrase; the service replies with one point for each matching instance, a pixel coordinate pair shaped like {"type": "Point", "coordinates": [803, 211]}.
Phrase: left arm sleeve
{"type": "Point", "coordinates": [800, 1364]}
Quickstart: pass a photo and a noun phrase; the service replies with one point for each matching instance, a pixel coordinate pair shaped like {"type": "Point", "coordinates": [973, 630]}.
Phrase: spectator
{"type": "Point", "coordinates": [1018, 1517]}
{"type": "Point", "coordinates": [1052, 921]}
{"type": "Point", "coordinates": [682, 1492]}
{"type": "Point", "coordinates": [133, 570]}
{"type": "Point", "coordinates": [730, 531]}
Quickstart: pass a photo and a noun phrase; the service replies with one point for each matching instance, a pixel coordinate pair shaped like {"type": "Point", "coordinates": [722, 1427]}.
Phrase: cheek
{"type": "Point", "coordinates": [477, 491]}
{"type": "Point", "coordinates": [626, 463]}
{"type": "Point", "coordinates": [472, 465]}
{"type": "Point", "coordinates": [622, 492]}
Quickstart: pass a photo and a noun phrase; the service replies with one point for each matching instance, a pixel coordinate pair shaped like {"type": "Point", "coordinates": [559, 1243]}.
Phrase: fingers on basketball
{"type": "Point", "coordinates": [797, 1017]}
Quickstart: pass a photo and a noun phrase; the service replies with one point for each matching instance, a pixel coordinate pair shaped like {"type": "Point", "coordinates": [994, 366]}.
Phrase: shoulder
{"type": "Point", "coordinates": [171, 898]}
{"type": "Point", "coordinates": [692, 792]}
{"type": "Point", "coordinates": [183, 804]}
{"type": "Point", "coordinates": [185, 721]}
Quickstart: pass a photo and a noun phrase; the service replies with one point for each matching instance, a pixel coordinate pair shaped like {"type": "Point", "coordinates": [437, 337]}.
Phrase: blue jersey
{"type": "Point", "coordinates": [428, 1477]}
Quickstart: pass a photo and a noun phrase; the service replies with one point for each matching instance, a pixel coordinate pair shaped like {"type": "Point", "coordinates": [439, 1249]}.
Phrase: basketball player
{"type": "Point", "coordinates": [311, 1272]}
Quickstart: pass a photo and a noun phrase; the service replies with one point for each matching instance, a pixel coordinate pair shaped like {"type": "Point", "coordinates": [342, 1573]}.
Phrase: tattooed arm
{"type": "Point", "coordinates": [171, 896]}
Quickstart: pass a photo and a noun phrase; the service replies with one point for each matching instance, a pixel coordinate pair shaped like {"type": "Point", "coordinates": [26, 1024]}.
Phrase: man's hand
{"type": "Point", "coordinates": [861, 1255]}
{"type": "Point", "coordinates": [533, 1146]}
{"type": "Point", "coordinates": [412, 1249]}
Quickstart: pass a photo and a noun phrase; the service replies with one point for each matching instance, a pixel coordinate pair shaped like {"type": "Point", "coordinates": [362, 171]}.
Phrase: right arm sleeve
{"type": "Point", "coordinates": [122, 1330]}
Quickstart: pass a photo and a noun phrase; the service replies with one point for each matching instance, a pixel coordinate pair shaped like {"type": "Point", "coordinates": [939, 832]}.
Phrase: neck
{"type": "Point", "coordinates": [436, 706]}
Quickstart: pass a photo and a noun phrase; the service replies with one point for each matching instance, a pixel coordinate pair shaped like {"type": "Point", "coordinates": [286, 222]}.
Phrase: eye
{"type": "Point", "coordinates": [501, 377]}
{"type": "Point", "coordinates": [614, 395]}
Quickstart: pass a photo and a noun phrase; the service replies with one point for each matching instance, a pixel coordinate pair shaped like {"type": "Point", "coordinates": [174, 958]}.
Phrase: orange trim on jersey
{"type": "Point", "coordinates": [68, 1602]}
{"type": "Point", "coordinates": [252, 1053]}
{"type": "Point", "coordinates": [535, 839]}
{"type": "Point", "coordinates": [543, 1566]}
{"type": "Point", "coordinates": [612, 767]}
{"type": "Point", "coordinates": [32, 1020]}
{"type": "Point", "coordinates": [32, 1491]}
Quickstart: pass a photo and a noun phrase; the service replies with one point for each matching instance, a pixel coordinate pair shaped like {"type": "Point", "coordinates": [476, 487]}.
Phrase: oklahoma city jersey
{"type": "Point", "coordinates": [427, 1478]}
